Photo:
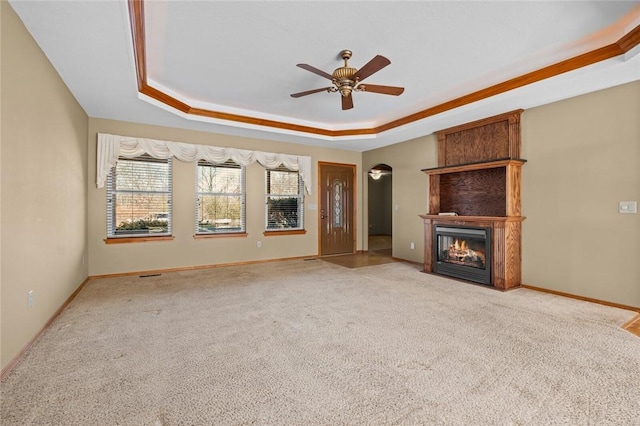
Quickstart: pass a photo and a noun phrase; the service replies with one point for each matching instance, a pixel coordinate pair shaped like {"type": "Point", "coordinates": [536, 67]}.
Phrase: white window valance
{"type": "Point", "coordinates": [110, 147]}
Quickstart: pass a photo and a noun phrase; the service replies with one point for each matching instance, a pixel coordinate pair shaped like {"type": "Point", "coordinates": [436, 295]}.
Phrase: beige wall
{"type": "Point", "coordinates": [44, 173]}
{"type": "Point", "coordinates": [409, 191]}
{"type": "Point", "coordinates": [2, 363]}
{"type": "Point", "coordinates": [184, 250]}
{"type": "Point", "coordinates": [583, 158]}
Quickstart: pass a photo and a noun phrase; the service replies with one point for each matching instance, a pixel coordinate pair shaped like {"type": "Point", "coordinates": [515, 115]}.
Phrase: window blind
{"type": "Point", "coordinates": [139, 197]}
{"type": "Point", "coordinates": [284, 200]}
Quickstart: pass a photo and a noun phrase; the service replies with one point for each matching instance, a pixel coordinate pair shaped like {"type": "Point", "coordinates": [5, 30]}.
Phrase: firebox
{"type": "Point", "coordinates": [463, 252]}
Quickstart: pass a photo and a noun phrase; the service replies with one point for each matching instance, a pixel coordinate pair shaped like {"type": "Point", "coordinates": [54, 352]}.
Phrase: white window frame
{"type": "Point", "coordinates": [215, 230]}
{"type": "Point", "coordinates": [299, 196]}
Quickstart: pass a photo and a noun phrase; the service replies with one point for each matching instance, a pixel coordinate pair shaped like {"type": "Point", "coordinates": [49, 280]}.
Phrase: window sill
{"type": "Point", "coordinates": [284, 232]}
{"type": "Point", "coordinates": [229, 235]}
{"type": "Point", "coordinates": [126, 240]}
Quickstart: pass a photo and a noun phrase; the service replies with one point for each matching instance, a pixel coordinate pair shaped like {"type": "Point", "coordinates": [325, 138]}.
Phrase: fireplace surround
{"type": "Point", "coordinates": [505, 245]}
{"type": "Point", "coordinates": [476, 186]}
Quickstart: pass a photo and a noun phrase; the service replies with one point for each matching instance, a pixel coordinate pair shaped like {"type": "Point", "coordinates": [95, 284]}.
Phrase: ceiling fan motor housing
{"type": "Point", "coordinates": [343, 79]}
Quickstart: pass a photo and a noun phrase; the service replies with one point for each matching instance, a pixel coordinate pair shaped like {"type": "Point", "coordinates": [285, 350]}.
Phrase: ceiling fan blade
{"type": "Point", "coordinates": [315, 71]}
{"type": "Point", "coordinates": [347, 102]}
{"type": "Point", "coordinates": [385, 90]}
{"type": "Point", "coordinates": [310, 92]}
{"type": "Point", "coordinates": [373, 66]}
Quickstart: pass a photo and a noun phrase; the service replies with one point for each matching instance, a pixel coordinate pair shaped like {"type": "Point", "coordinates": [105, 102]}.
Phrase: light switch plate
{"type": "Point", "coordinates": [628, 207]}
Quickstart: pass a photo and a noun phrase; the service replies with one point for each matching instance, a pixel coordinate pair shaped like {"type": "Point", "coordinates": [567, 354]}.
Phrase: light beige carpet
{"type": "Point", "coordinates": [308, 342]}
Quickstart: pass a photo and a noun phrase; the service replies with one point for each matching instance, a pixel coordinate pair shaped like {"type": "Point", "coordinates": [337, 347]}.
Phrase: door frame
{"type": "Point", "coordinates": [354, 168]}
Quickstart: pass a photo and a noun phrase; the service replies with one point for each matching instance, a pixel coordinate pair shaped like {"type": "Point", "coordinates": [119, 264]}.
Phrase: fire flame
{"type": "Point", "coordinates": [460, 245]}
{"type": "Point", "coordinates": [460, 252]}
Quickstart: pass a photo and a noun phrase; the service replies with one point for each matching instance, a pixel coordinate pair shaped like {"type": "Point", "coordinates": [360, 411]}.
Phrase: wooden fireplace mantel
{"type": "Point", "coordinates": [471, 220]}
{"type": "Point", "coordinates": [478, 179]}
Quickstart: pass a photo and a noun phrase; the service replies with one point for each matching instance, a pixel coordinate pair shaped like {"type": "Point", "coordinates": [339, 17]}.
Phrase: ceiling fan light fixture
{"type": "Point", "coordinates": [375, 174]}
{"type": "Point", "coordinates": [345, 89]}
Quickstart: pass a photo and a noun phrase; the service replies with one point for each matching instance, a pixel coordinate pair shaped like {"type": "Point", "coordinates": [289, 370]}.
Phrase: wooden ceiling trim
{"type": "Point", "coordinates": [630, 40]}
{"type": "Point", "coordinates": [159, 95]}
{"type": "Point", "coordinates": [136, 18]}
{"type": "Point", "coordinates": [277, 124]}
{"type": "Point", "coordinates": [257, 121]}
{"type": "Point", "coordinates": [572, 64]}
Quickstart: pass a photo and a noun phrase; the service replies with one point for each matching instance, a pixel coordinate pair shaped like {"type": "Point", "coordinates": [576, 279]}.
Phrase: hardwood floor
{"type": "Point", "coordinates": [379, 253]}
{"type": "Point", "coordinates": [633, 326]}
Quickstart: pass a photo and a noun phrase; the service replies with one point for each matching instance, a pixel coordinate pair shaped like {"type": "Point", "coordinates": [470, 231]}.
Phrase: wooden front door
{"type": "Point", "coordinates": [337, 208]}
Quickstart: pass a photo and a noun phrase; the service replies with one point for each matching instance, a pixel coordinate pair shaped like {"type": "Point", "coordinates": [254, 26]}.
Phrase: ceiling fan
{"type": "Point", "coordinates": [347, 80]}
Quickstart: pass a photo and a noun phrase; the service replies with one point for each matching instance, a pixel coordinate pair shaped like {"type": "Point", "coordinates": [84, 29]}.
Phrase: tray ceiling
{"type": "Point", "coordinates": [238, 60]}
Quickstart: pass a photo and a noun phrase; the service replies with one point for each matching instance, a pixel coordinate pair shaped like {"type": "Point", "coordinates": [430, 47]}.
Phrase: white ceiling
{"type": "Point", "coordinates": [240, 57]}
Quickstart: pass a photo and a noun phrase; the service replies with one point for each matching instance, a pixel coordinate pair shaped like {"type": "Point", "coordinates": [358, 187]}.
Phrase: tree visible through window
{"type": "Point", "coordinates": [284, 200]}
{"type": "Point", "coordinates": [220, 198]}
{"type": "Point", "coordinates": [139, 197]}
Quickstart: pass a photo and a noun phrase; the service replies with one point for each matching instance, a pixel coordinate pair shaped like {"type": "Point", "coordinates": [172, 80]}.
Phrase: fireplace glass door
{"type": "Point", "coordinates": [463, 252]}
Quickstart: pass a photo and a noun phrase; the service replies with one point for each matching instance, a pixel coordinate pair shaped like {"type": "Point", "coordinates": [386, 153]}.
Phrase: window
{"type": "Point", "coordinates": [220, 198]}
{"type": "Point", "coordinates": [139, 197]}
{"type": "Point", "coordinates": [284, 200]}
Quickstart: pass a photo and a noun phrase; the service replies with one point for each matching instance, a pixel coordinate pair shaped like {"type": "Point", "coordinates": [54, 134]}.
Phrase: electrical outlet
{"type": "Point", "coordinates": [628, 207]}
{"type": "Point", "coordinates": [30, 299]}
{"type": "Point", "coordinates": [259, 244]}
{"type": "Point", "coordinates": [83, 259]}
{"type": "Point", "coordinates": [413, 245]}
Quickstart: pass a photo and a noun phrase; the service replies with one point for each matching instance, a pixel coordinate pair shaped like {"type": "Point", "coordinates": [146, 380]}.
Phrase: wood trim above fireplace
{"type": "Point", "coordinates": [483, 140]}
